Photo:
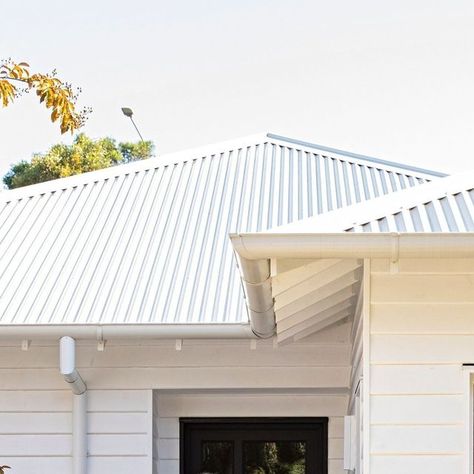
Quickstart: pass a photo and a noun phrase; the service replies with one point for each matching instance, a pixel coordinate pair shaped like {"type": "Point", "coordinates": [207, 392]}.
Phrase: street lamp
{"type": "Point", "coordinates": [128, 112]}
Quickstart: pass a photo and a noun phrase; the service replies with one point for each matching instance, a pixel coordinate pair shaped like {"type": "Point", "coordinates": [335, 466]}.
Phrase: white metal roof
{"type": "Point", "coordinates": [148, 242]}
{"type": "Point", "coordinates": [444, 205]}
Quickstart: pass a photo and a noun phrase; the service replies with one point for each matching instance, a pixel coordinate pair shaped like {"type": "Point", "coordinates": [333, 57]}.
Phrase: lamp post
{"type": "Point", "coordinates": [128, 112]}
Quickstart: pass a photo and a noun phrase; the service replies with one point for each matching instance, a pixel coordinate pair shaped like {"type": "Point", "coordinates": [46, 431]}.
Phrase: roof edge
{"type": "Point", "coordinates": [171, 158]}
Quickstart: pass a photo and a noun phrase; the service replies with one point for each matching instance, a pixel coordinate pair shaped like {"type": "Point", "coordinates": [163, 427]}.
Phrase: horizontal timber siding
{"type": "Point", "coordinates": [36, 426]}
{"type": "Point", "coordinates": [421, 332]}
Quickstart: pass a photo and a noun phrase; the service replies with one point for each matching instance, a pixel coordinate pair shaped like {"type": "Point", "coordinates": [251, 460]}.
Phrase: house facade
{"type": "Point", "coordinates": [253, 302]}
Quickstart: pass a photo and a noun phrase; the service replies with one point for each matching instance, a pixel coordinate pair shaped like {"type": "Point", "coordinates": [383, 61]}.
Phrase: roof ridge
{"type": "Point", "coordinates": [358, 156]}
{"type": "Point", "coordinates": [184, 156]}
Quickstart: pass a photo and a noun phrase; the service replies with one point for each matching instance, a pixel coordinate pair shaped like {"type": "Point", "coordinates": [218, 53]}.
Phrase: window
{"type": "Point", "coordinates": [251, 446]}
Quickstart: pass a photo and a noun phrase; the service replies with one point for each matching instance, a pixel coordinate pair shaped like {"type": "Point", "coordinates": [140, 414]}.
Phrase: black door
{"type": "Point", "coordinates": [253, 446]}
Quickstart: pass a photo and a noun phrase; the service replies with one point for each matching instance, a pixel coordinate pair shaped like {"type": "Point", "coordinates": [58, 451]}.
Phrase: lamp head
{"type": "Point", "coordinates": [127, 111]}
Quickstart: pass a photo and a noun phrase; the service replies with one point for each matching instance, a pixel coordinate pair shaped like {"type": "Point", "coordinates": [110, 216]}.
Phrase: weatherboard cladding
{"type": "Point", "coordinates": [148, 242]}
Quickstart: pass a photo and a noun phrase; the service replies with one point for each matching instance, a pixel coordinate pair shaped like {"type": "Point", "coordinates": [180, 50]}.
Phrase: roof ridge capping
{"type": "Point", "coordinates": [368, 211]}
{"type": "Point", "coordinates": [357, 156]}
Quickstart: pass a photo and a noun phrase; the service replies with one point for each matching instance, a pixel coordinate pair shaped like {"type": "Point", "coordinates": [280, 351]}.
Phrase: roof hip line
{"type": "Point", "coordinates": [357, 155]}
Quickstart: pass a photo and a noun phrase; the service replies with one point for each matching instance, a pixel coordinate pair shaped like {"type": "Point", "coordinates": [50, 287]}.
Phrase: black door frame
{"type": "Point", "coordinates": [189, 425]}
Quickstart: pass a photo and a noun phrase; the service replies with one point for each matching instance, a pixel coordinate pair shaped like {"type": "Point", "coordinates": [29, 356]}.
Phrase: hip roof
{"type": "Point", "coordinates": [148, 242]}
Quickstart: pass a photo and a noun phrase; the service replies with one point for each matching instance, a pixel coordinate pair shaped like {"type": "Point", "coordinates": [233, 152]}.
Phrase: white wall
{"type": "Point", "coordinates": [35, 405]}
{"type": "Point", "coordinates": [421, 332]}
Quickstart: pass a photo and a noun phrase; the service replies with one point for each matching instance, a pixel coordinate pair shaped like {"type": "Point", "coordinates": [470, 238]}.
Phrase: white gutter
{"type": "Point", "coordinates": [67, 357]}
{"type": "Point", "coordinates": [126, 331]}
{"type": "Point", "coordinates": [354, 245]}
{"type": "Point", "coordinates": [254, 251]}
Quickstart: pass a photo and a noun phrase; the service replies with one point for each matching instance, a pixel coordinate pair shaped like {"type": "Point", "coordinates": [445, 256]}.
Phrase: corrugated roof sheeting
{"type": "Point", "coordinates": [452, 212]}
{"type": "Point", "coordinates": [148, 242]}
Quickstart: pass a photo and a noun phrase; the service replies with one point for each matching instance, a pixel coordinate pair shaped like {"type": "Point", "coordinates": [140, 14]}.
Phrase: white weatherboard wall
{"type": "Point", "coordinates": [35, 430]}
{"type": "Point", "coordinates": [421, 332]}
{"type": "Point", "coordinates": [35, 404]}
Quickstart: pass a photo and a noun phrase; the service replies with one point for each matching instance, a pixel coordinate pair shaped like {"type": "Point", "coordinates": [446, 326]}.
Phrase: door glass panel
{"type": "Point", "coordinates": [274, 457]}
{"type": "Point", "coordinates": [217, 457]}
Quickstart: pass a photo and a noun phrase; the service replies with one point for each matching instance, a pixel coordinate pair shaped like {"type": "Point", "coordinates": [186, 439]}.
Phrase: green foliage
{"type": "Point", "coordinates": [280, 457]}
{"type": "Point", "coordinates": [259, 457]}
{"type": "Point", "coordinates": [135, 151]}
{"type": "Point", "coordinates": [82, 156]}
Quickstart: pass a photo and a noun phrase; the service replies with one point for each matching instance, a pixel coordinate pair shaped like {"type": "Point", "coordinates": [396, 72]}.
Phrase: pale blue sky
{"type": "Point", "coordinates": [393, 80]}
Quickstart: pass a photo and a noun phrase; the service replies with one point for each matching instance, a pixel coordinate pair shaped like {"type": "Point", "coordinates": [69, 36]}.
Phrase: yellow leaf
{"type": "Point", "coordinates": [7, 92]}
{"type": "Point", "coordinates": [53, 92]}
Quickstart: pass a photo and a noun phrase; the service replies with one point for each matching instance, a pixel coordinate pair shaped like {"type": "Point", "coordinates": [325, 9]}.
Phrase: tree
{"type": "Point", "coordinates": [82, 156]}
{"type": "Point", "coordinates": [54, 93]}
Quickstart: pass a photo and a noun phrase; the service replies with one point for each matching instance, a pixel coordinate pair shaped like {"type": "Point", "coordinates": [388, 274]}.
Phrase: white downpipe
{"type": "Point", "coordinates": [67, 351]}
{"type": "Point", "coordinates": [258, 293]}
{"type": "Point", "coordinates": [67, 354]}
{"type": "Point", "coordinates": [79, 433]}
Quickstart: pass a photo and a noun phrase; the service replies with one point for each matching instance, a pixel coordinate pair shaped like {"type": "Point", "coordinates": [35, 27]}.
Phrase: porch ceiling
{"type": "Point", "coordinates": [314, 295]}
